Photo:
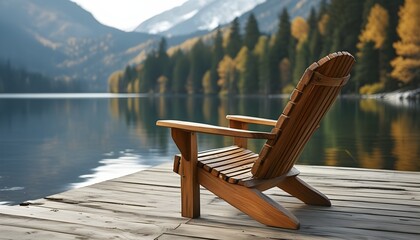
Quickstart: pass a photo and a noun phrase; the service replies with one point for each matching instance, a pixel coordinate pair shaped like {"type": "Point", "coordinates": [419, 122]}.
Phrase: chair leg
{"type": "Point", "coordinates": [303, 191]}
{"type": "Point", "coordinates": [190, 190]}
{"type": "Point", "coordinates": [251, 201]}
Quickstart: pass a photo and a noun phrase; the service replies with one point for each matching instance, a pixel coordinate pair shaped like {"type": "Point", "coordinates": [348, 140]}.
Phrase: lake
{"type": "Point", "coordinates": [50, 143]}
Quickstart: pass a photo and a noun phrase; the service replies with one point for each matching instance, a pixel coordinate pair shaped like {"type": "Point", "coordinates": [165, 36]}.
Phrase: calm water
{"type": "Point", "coordinates": [51, 143]}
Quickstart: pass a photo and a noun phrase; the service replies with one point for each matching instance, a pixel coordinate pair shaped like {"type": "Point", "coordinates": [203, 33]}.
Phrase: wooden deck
{"type": "Point", "coordinates": [367, 204]}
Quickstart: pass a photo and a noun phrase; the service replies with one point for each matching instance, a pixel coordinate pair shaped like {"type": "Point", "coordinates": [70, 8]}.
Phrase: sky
{"type": "Point", "coordinates": [126, 14]}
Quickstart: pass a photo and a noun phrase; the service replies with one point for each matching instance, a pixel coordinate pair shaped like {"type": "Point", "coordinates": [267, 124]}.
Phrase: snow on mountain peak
{"type": "Point", "coordinates": [196, 15]}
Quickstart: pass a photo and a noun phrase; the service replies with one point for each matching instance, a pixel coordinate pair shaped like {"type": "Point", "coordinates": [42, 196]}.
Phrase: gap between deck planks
{"type": "Point", "coordinates": [146, 205]}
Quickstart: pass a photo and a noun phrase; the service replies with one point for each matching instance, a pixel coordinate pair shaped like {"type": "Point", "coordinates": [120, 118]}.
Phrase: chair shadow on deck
{"type": "Point", "coordinates": [238, 175]}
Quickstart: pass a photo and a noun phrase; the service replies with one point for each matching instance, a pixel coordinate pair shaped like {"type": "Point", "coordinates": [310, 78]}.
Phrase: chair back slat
{"type": "Point", "coordinates": [309, 102]}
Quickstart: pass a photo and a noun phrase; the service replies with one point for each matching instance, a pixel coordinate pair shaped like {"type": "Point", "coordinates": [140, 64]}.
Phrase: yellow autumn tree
{"type": "Point", "coordinates": [300, 29]}
{"type": "Point", "coordinates": [407, 63]}
{"type": "Point", "coordinates": [240, 59]}
{"type": "Point", "coordinates": [376, 27]}
{"type": "Point", "coordinates": [227, 75]}
{"type": "Point", "coordinates": [114, 82]}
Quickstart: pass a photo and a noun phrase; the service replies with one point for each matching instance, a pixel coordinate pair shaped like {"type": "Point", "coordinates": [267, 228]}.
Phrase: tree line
{"type": "Point", "coordinates": [19, 80]}
{"type": "Point", "coordinates": [386, 46]}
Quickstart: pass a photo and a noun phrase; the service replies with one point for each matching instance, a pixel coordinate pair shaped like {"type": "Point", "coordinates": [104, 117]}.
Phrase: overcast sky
{"type": "Point", "coordinates": [126, 14]}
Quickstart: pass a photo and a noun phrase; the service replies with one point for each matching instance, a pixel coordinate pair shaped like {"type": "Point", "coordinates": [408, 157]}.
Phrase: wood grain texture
{"type": "Point", "coordinates": [252, 120]}
{"type": "Point", "coordinates": [210, 129]}
{"type": "Point", "coordinates": [229, 174]}
{"type": "Point", "coordinates": [367, 204]}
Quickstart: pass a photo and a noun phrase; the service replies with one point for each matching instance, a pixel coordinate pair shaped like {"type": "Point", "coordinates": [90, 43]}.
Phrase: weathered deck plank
{"type": "Point", "coordinates": [370, 204]}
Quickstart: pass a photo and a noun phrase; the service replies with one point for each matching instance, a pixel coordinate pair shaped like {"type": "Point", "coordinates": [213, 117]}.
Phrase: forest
{"type": "Point", "coordinates": [19, 80]}
{"type": "Point", "coordinates": [384, 36]}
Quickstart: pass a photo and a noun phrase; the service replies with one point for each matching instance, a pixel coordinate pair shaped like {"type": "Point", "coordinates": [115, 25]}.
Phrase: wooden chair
{"type": "Point", "coordinates": [238, 175]}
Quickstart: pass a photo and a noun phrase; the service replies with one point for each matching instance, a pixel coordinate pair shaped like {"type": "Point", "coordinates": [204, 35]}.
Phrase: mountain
{"type": "Point", "coordinates": [60, 39]}
{"type": "Point", "coordinates": [267, 13]}
{"type": "Point", "coordinates": [204, 15]}
{"type": "Point", "coordinates": [196, 15]}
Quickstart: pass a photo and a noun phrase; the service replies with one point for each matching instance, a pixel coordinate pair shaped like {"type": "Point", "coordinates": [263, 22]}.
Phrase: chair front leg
{"type": "Point", "coordinates": [190, 188]}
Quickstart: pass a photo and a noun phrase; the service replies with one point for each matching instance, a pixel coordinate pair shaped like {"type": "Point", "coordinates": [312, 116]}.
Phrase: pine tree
{"type": "Point", "coordinates": [180, 72]}
{"type": "Point", "coordinates": [235, 40]}
{"type": "Point", "coordinates": [407, 63]}
{"type": "Point", "coordinates": [217, 55]}
{"type": "Point", "coordinates": [199, 64]}
{"type": "Point", "coordinates": [150, 73]}
{"type": "Point", "coordinates": [302, 60]}
{"type": "Point", "coordinates": [283, 35]}
{"type": "Point", "coordinates": [163, 58]}
{"type": "Point", "coordinates": [314, 40]}
{"type": "Point", "coordinates": [252, 33]}
{"type": "Point", "coordinates": [368, 59]}
{"type": "Point", "coordinates": [261, 51]}
{"type": "Point", "coordinates": [280, 50]}
{"type": "Point", "coordinates": [345, 21]}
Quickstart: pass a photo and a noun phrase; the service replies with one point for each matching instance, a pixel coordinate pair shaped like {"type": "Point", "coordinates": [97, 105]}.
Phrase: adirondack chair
{"type": "Point", "coordinates": [238, 175]}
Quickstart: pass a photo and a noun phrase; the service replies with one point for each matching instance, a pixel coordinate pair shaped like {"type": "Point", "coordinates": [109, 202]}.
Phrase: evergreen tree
{"type": "Point", "coordinates": [252, 33]}
{"type": "Point", "coordinates": [302, 60]}
{"type": "Point", "coordinates": [150, 73]}
{"type": "Point", "coordinates": [368, 59]}
{"type": "Point", "coordinates": [261, 51]}
{"type": "Point", "coordinates": [163, 58]}
{"type": "Point", "coordinates": [280, 50]}
{"type": "Point", "coordinates": [180, 72]}
{"type": "Point", "coordinates": [312, 21]}
{"type": "Point", "coordinates": [407, 63]}
{"type": "Point", "coordinates": [217, 55]}
{"type": "Point", "coordinates": [315, 40]}
{"type": "Point", "coordinates": [283, 35]}
{"type": "Point", "coordinates": [199, 64]}
{"type": "Point", "coordinates": [345, 22]}
{"type": "Point", "coordinates": [235, 40]}
{"type": "Point", "coordinates": [251, 74]}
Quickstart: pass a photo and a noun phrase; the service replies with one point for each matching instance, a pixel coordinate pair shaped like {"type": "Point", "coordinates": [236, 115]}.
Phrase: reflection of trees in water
{"type": "Point", "coordinates": [405, 132]}
{"type": "Point", "coordinates": [366, 133]}
{"type": "Point", "coordinates": [356, 133]}
{"type": "Point", "coordinates": [142, 114]}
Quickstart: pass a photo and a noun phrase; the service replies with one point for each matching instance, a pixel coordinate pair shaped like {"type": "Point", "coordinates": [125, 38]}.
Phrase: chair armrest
{"type": "Point", "coordinates": [211, 129]}
{"type": "Point", "coordinates": [252, 120]}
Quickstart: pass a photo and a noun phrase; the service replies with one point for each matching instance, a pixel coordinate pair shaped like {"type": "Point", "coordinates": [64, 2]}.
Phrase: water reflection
{"type": "Point", "coordinates": [367, 133]}
{"type": "Point", "coordinates": [50, 145]}
{"type": "Point", "coordinates": [116, 165]}
{"type": "Point", "coordinates": [47, 144]}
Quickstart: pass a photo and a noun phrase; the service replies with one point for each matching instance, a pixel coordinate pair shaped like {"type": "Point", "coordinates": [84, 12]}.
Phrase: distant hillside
{"type": "Point", "coordinates": [195, 16]}
{"type": "Point", "coordinates": [59, 38]}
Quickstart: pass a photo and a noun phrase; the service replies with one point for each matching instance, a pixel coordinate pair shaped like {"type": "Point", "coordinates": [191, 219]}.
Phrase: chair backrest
{"type": "Point", "coordinates": [308, 103]}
